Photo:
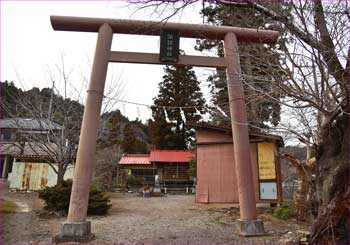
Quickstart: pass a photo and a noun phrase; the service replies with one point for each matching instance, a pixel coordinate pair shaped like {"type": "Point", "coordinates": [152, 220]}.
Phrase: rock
{"type": "Point", "coordinates": [303, 239]}
{"type": "Point", "coordinates": [303, 232]}
{"type": "Point", "coordinates": [289, 238]}
{"type": "Point", "coordinates": [303, 236]}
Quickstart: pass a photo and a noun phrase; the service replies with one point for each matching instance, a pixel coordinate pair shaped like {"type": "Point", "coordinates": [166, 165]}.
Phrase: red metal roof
{"type": "Point", "coordinates": [171, 156]}
{"type": "Point", "coordinates": [135, 159]}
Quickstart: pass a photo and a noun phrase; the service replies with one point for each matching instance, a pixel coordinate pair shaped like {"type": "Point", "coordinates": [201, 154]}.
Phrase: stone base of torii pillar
{"type": "Point", "coordinates": [250, 227]}
{"type": "Point", "coordinates": [74, 232]}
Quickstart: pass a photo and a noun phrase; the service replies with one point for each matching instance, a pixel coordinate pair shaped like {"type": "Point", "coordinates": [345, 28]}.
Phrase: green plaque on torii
{"type": "Point", "coordinates": [169, 45]}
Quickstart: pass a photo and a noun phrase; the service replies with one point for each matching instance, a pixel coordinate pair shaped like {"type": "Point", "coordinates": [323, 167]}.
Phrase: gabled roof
{"type": "Point", "coordinates": [29, 124]}
{"type": "Point", "coordinates": [171, 156]}
{"type": "Point", "coordinates": [135, 159]}
{"type": "Point", "coordinates": [158, 156]}
{"type": "Point", "coordinates": [227, 130]}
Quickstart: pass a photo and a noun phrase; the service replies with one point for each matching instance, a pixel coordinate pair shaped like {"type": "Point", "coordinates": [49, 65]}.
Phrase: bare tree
{"type": "Point", "coordinates": [48, 108]}
{"type": "Point", "coordinates": [107, 167]}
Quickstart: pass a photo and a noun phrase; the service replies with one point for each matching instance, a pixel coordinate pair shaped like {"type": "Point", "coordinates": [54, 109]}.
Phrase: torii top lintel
{"type": "Point", "coordinates": [140, 27]}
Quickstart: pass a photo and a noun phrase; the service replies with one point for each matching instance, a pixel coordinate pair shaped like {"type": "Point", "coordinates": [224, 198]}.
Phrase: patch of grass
{"type": "Point", "coordinates": [288, 201]}
{"type": "Point", "coordinates": [7, 206]}
{"type": "Point", "coordinates": [283, 212]}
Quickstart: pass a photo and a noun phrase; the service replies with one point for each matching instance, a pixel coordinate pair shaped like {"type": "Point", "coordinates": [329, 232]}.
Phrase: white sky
{"type": "Point", "coordinates": [31, 49]}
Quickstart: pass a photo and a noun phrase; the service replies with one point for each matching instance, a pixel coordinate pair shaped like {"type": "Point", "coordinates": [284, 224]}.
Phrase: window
{"type": "Point", "coordinates": [5, 134]}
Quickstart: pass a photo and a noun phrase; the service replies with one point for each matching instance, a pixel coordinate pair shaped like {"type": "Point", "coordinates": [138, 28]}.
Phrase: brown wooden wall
{"type": "Point", "coordinates": [216, 173]}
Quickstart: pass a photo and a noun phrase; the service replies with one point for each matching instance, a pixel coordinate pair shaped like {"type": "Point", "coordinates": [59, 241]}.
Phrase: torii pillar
{"type": "Point", "coordinates": [77, 228]}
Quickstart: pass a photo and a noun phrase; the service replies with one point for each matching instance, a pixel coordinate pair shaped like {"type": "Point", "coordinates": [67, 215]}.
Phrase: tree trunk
{"type": "Point", "coordinates": [60, 175]}
{"type": "Point", "coordinates": [301, 197]}
{"type": "Point", "coordinates": [332, 183]}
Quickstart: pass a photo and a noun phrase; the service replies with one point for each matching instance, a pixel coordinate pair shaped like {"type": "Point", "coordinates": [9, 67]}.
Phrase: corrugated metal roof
{"type": "Point", "coordinates": [227, 130]}
{"type": "Point", "coordinates": [29, 149]}
{"type": "Point", "coordinates": [134, 159]}
{"type": "Point", "coordinates": [29, 123]}
{"type": "Point", "coordinates": [171, 156]}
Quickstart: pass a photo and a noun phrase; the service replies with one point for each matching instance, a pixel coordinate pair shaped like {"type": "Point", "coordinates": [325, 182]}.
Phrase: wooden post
{"type": "Point", "coordinates": [87, 144]}
{"type": "Point", "coordinates": [246, 192]}
{"type": "Point", "coordinates": [5, 168]}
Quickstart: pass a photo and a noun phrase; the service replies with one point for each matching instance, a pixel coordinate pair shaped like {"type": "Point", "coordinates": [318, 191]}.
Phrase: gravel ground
{"type": "Point", "coordinates": [174, 219]}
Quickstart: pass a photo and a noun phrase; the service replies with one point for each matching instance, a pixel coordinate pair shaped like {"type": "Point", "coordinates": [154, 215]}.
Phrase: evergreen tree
{"type": "Point", "coordinates": [179, 88]}
{"type": "Point", "coordinates": [259, 66]}
{"type": "Point", "coordinates": [130, 143]}
{"type": "Point", "coordinates": [9, 98]}
{"type": "Point", "coordinates": [115, 132]}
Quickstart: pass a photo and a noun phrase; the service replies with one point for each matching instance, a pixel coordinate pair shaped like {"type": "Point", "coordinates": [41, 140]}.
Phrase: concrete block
{"type": "Point", "coordinates": [74, 232]}
{"type": "Point", "coordinates": [251, 228]}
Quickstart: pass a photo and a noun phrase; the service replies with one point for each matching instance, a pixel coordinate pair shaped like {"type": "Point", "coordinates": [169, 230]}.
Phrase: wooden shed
{"type": "Point", "coordinates": [216, 173]}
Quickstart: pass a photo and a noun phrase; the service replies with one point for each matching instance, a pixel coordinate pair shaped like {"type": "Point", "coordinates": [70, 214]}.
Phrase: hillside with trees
{"type": "Point", "coordinates": [116, 131]}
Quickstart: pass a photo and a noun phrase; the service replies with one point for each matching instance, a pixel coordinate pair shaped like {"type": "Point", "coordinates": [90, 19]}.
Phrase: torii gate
{"type": "Point", "coordinates": [77, 228]}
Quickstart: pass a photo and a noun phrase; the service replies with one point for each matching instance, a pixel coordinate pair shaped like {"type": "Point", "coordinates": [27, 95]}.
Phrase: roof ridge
{"type": "Point", "coordinates": [136, 155]}
{"type": "Point", "coordinates": [168, 150]}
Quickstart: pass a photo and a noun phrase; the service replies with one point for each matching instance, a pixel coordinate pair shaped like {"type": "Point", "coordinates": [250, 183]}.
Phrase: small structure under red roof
{"type": "Point", "coordinates": [216, 167]}
{"type": "Point", "coordinates": [171, 166]}
{"type": "Point", "coordinates": [180, 156]}
{"type": "Point", "coordinates": [135, 159]}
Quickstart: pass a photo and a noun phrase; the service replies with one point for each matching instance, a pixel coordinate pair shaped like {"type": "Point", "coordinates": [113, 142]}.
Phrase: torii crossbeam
{"type": "Point", "coordinates": [77, 228]}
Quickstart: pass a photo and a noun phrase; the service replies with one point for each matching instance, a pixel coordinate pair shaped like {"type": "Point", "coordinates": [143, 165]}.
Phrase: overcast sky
{"type": "Point", "coordinates": [31, 50]}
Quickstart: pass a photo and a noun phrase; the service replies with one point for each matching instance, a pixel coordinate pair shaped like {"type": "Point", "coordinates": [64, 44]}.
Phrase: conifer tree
{"type": "Point", "coordinates": [114, 133]}
{"type": "Point", "coordinates": [259, 66]}
{"type": "Point", "coordinates": [130, 143]}
{"type": "Point", "coordinates": [179, 88]}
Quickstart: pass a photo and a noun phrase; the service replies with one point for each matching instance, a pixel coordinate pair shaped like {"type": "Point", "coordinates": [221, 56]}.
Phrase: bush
{"type": "Point", "coordinates": [7, 206]}
{"type": "Point", "coordinates": [192, 171]}
{"type": "Point", "coordinates": [98, 201]}
{"type": "Point", "coordinates": [117, 184]}
{"type": "Point", "coordinates": [283, 212]}
{"type": "Point", "coordinates": [57, 198]}
{"type": "Point", "coordinates": [132, 180]}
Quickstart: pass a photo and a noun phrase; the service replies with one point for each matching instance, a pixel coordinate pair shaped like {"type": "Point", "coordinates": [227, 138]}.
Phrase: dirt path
{"type": "Point", "coordinates": [136, 220]}
{"type": "Point", "coordinates": [172, 219]}
{"type": "Point", "coordinates": [176, 220]}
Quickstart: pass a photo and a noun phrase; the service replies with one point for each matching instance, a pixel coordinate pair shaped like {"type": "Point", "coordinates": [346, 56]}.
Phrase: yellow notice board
{"type": "Point", "coordinates": [266, 161]}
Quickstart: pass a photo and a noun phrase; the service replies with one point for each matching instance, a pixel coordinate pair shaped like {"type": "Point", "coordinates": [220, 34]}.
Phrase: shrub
{"type": "Point", "coordinates": [57, 198]}
{"type": "Point", "coordinates": [7, 206]}
{"type": "Point", "coordinates": [98, 201]}
{"type": "Point", "coordinates": [132, 180]}
{"type": "Point", "coordinates": [283, 212]}
{"type": "Point", "coordinates": [192, 171]}
{"type": "Point", "coordinates": [117, 184]}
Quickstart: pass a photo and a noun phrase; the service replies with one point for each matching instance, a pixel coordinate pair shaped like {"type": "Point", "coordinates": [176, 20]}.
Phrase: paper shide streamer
{"type": "Point", "coordinates": [197, 111]}
{"type": "Point", "coordinates": [166, 115]}
{"type": "Point", "coordinates": [182, 115]}
{"type": "Point", "coordinates": [124, 111]}
{"type": "Point", "coordinates": [221, 111]}
{"type": "Point", "coordinates": [151, 113]}
{"type": "Point", "coordinates": [138, 112]}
